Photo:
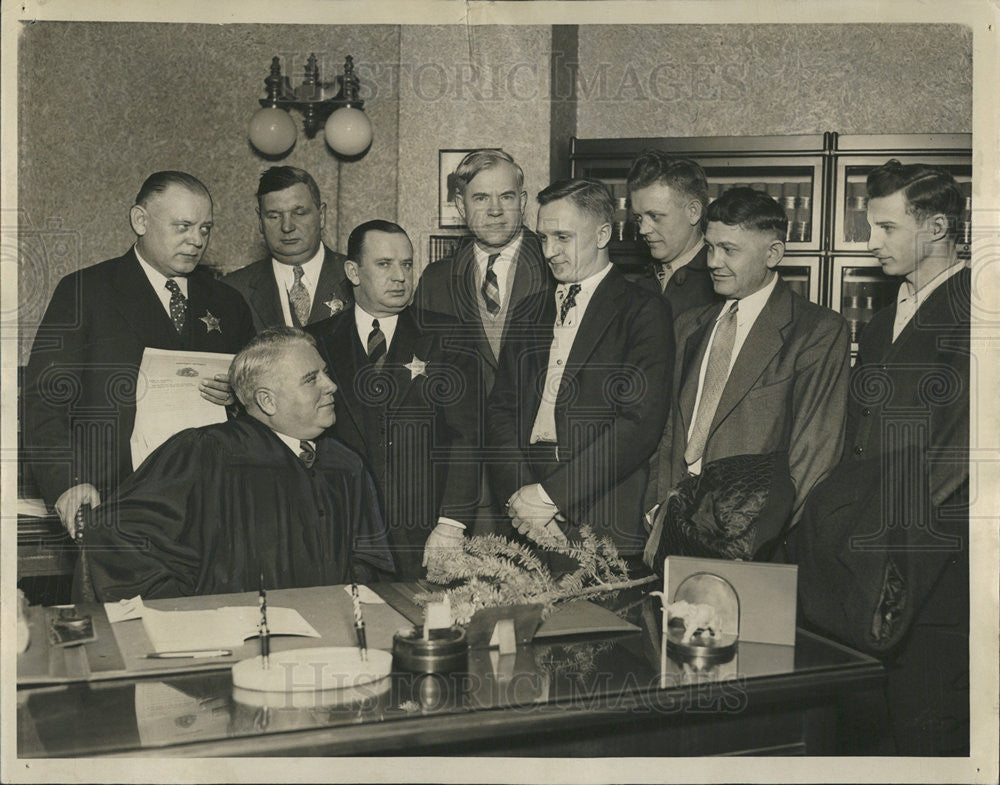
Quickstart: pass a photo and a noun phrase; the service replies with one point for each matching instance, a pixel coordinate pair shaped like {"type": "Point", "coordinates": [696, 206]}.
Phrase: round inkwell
{"type": "Point", "coordinates": [445, 650]}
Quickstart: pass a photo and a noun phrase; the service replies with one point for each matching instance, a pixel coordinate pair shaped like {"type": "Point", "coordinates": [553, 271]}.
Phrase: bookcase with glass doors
{"type": "Point", "coordinates": [819, 179]}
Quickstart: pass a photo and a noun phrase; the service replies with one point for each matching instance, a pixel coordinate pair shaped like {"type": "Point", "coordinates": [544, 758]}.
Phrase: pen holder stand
{"type": "Point", "coordinates": [444, 651]}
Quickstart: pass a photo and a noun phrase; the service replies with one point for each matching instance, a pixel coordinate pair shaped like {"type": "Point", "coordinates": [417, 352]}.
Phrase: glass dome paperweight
{"type": "Point", "coordinates": [702, 623]}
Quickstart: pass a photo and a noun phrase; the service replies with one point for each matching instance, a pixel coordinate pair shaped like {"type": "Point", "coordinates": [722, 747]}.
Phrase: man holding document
{"type": "Point", "coordinates": [82, 379]}
{"type": "Point", "coordinates": [215, 508]}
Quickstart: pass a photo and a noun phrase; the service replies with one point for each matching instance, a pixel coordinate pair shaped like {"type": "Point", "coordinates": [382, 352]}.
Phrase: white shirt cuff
{"type": "Point", "coordinates": [545, 497]}
{"type": "Point", "coordinates": [451, 522]}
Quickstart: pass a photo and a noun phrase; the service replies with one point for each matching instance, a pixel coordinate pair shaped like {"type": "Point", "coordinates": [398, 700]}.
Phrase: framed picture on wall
{"type": "Point", "coordinates": [448, 216]}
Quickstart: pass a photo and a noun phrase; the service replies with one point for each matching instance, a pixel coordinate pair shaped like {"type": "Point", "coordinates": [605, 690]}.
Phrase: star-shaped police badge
{"type": "Point", "coordinates": [336, 305]}
{"type": "Point", "coordinates": [211, 322]}
{"type": "Point", "coordinates": [416, 367]}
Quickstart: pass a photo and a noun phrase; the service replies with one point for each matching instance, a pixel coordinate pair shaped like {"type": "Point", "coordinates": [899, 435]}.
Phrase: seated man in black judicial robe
{"type": "Point", "coordinates": [214, 507]}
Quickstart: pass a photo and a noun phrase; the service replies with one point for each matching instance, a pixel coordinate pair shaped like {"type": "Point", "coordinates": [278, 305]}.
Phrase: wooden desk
{"type": "Point", "coordinates": [591, 697]}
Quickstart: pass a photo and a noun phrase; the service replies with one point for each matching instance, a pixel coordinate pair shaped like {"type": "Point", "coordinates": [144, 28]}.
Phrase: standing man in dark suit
{"type": "Point", "coordinates": [582, 393]}
{"type": "Point", "coordinates": [669, 197]}
{"type": "Point", "coordinates": [883, 546]}
{"type": "Point", "coordinates": [302, 280]}
{"type": "Point", "coordinates": [81, 381]}
{"type": "Point", "coordinates": [487, 280]}
{"type": "Point", "coordinates": [404, 402]}
{"type": "Point", "coordinates": [764, 372]}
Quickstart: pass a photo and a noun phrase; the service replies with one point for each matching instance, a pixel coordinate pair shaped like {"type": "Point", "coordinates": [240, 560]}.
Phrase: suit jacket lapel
{"type": "Point", "coordinates": [196, 330]}
{"type": "Point", "coordinates": [762, 342]}
{"type": "Point", "coordinates": [601, 311]}
{"type": "Point", "coordinates": [329, 289]}
{"type": "Point", "coordinates": [346, 359]}
{"type": "Point", "coordinates": [526, 273]}
{"type": "Point", "coordinates": [264, 294]}
{"type": "Point", "coordinates": [141, 308]}
{"type": "Point", "coordinates": [694, 353]}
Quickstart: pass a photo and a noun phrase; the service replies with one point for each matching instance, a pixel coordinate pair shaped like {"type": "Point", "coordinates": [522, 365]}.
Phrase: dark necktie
{"type": "Point", "coordinates": [376, 345]}
{"type": "Point", "coordinates": [298, 298]}
{"type": "Point", "coordinates": [178, 305]}
{"type": "Point", "coordinates": [307, 454]}
{"type": "Point", "coordinates": [569, 301]}
{"type": "Point", "coordinates": [716, 375]}
{"type": "Point", "coordinates": [491, 287]}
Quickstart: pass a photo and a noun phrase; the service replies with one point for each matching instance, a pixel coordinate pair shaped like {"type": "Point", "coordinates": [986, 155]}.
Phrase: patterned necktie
{"type": "Point", "coordinates": [376, 345]}
{"type": "Point", "coordinates": [663, 274]}
{"type": "Point", "coordinates": [491, 287]}
{"type": "Point", "coordinates": [298, 299]}
{"type": "Point", "coordinates": [307, 454]}
{"type": "Point", "coordinates": [716, 376]}
{"type": "Point", "coordinates": [178, 305]}
{"type": "Point", "coordinates": [569, 301]}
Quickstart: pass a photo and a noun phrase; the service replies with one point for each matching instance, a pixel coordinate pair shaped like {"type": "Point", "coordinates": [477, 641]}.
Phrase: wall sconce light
{"type": "Point", "coordinates": [347, 128]}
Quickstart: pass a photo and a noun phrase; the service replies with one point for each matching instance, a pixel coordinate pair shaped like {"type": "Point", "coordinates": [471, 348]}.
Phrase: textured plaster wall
{"type": "Point", "coordinates": [468, 88]}
{"type": "Point", "coordinates": [102, 105]}
{"type": "Point", "coordinates": [732, 80]}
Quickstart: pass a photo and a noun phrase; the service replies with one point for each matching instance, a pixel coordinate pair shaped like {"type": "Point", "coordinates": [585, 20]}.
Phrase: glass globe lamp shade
{"type": "Point", "coordinates": [348, 131]}
{"type": "Point", "coordinates": [272, 131]}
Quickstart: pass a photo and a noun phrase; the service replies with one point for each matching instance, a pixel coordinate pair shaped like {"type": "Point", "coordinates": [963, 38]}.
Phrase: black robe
{"type": "Point", "coordinates": [213, 507]}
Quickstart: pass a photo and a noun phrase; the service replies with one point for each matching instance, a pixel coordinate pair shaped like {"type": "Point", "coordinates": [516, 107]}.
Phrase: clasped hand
{"type": "Point", "coordinates": [534, 517]}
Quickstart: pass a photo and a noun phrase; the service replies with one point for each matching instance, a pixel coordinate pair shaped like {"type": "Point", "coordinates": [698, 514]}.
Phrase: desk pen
{"type": "Point", "coordinates": [265, 633]}
{"type": "Point", "coordinates": [189, 655]}
{"type": "Point", "coordinates": [359, 622]}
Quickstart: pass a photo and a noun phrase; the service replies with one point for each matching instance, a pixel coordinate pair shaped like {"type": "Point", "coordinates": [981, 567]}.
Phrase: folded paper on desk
{"type": "Point", "coordinates": [221, 628]}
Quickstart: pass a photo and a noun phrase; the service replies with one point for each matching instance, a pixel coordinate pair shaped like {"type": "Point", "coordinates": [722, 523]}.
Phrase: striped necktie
{"type": "Point", "coordinates": [178, 305]}
{"type": "Point", "coordinates": [491, 287]}
{"type": "Point", "coordinates": [307, 454]}
{"type": "Point", "coordinates": [376, 345]}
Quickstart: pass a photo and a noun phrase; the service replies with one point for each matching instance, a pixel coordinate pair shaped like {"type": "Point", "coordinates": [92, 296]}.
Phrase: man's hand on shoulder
{"type": "Point", "coordinates": [69, 502]}
{"type": "Point", "coordinates": [217, 390]}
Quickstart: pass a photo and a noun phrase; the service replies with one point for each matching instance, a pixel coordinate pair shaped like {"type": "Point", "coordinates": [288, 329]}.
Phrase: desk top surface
{"type": "Point", "coordinates": [568, 680]}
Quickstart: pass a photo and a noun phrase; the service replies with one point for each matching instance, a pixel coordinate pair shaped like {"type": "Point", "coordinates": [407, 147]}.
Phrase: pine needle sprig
{"type": "Point", "coordinates": [492, 571]}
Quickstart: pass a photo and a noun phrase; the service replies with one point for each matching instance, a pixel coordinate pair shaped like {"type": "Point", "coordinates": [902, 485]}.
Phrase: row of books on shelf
{"type": "Point", "coordinates": [795, 196]}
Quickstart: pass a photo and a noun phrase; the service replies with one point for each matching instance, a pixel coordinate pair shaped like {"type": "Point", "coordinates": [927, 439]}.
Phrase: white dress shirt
{"type": "Point", "coordinates": [908, 300]}
{"type": "Point", "coordinates": [750, 308]}
{"type": "Point", "coordinates": [363, 320]}
{"type": "Point", "coordinates": [502, 267]}
{"type": "Point", "coordinates": [295, 445]}
{"type": "Point", "coordinates": [284, 275]}
{"type": "Point", "coordinates": [159, 281]}
{"type": "Point", "coordinates": [563, 335]}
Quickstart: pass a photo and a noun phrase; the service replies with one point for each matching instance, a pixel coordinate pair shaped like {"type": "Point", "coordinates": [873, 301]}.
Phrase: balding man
{"type": "Point", "coordinates": [214, 508]}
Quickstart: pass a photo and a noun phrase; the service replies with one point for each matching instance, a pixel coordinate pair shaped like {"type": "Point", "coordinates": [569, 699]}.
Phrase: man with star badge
{"type": "Point", "coordinates": [406, 399]}
{"type": "Point", "coordinates": [301, 280]}
{"type": "Point", "coordinates": [99, 321]}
